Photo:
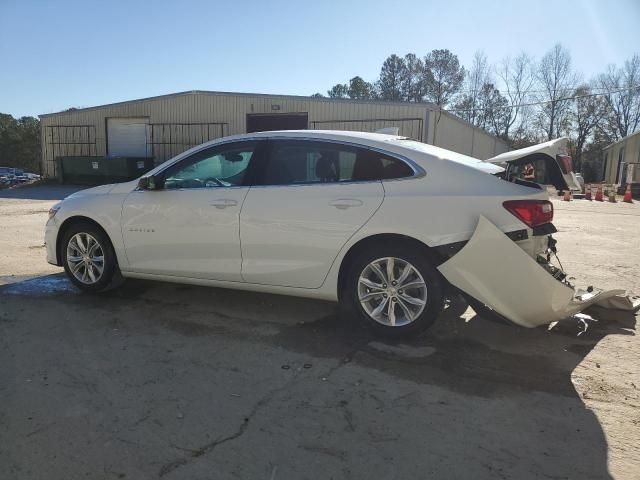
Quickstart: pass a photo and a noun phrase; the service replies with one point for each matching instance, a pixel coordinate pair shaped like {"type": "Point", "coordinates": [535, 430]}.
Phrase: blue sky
{"type": "Point", "coordinates": [59, 54]}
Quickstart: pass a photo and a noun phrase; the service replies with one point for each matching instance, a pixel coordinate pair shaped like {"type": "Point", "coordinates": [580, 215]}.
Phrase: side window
{"type": "Point", "coordinates": [293, 162]}
{"type": "Point", "coordinates": [377, 166]}
{"type": "Point", "coordinates": [221, 166]}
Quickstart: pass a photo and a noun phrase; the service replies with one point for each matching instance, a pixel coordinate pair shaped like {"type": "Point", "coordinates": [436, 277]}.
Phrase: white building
{"type": "Point", "coordinates": [622, 160]}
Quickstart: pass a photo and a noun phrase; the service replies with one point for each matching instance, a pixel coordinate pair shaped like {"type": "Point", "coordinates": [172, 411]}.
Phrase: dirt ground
{"type": "Point", "coordinates": [169, 381]}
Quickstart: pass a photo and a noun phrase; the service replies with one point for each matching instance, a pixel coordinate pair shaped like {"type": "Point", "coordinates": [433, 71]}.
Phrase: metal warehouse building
{"type": "Point", "coordinates": [622, 160]}
{"type": "Point", "coordinates": [161, 127]}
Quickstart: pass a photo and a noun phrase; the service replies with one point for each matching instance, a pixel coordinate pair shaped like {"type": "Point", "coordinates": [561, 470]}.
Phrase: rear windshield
{"type": "Point", "coordinates": [447, 154]}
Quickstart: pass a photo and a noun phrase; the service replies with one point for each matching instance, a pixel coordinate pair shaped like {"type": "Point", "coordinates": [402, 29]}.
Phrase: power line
{"type": "Point", "coordinates": [545, 102]}
{"type": "Point", "coordinates": [523, 92]}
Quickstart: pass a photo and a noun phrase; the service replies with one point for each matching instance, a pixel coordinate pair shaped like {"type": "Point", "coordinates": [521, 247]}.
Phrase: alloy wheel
{"type": "Point", "coordinates": [85, 258]}
{"type": "Point", "coordinates": [392, 291]}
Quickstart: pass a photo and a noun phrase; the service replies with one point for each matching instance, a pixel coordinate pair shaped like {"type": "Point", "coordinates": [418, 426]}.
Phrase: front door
{"type": "Point", "coordinates": [307, 206]}
{"type": "Point", "coordinates": [189, 227]}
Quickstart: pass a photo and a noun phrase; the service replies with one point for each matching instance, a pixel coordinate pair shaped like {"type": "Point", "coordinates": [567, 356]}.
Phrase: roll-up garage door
{"type": "Point", "coordinates": [128, 137]}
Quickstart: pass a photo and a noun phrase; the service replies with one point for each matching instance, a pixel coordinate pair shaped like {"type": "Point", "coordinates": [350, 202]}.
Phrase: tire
{"type": "Point", "coordinates": [88, 276]}
{"type": "Point", "coordinates": [365, 290]}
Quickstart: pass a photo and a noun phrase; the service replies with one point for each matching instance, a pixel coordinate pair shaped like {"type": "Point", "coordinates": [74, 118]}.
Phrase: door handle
{"type": "Point", "coordinates": [223, 203]}
{"type": "Point", "coordinates": [344, 203]}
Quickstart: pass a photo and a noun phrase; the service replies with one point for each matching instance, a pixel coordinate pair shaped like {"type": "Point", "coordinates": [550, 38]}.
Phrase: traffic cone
{"type": "Point", "coordinates": [567, 196]}
{"type": "Point", "coordinates": [627, 194]}
{"type": "Point", "coordinates": [587, 194]}
{"type": "Point", "coordinates": [599, 197]}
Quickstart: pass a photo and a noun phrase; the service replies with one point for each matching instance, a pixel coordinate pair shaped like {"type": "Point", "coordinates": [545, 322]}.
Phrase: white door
{"type": "Point", "coordinates": [128, 137]}
{"type": "Point", "coordinates": [308, 205]}
{"type": "Point", "coordinates": [190, 226]}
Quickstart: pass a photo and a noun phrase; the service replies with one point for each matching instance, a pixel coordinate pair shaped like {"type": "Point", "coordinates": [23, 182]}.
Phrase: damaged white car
{"type": "Point", "coordinates": [386, 225]}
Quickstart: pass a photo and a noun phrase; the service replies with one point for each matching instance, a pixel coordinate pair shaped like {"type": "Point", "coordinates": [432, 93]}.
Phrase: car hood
{"type": "Point", "coordinates": [100, 190]}
{"type": "Point", "coordinates": [550, 148]}
{"type": "Point", "coordinates": [124, 187]}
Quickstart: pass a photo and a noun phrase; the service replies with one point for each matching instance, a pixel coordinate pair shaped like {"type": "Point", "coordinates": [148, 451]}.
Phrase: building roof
{"type": "Point", "coordinates": [264, 95]}
{"type": "Point", "coordinates": [623, 139]}
{"type": "Point", "coordinates": [426, 106]}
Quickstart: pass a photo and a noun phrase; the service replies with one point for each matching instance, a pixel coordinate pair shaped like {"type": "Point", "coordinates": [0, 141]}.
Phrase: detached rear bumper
{"type": "Point", "coordinates": [497, 272]}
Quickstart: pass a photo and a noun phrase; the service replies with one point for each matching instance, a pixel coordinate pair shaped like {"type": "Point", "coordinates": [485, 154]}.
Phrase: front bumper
{"type": "Point", "coordinates": [495, 271]}
{"type": "Point", "coordinates": [50, 239]}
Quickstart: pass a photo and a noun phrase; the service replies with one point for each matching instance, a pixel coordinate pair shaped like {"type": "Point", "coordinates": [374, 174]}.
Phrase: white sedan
{"type": "Point", "coordinates": [386, 225]}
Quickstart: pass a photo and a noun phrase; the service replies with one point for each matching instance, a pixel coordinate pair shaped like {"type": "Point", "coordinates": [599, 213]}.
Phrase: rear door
{"type": "Point", "coordinates": [311, 197]}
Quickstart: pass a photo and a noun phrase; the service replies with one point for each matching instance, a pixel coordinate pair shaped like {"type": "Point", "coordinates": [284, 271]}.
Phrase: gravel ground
{"type": "Point", "coordinates": [169, 381]}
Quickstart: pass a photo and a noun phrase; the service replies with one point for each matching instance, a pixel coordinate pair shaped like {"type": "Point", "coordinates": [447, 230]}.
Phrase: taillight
{"type": "Point", "coordinates": [531, 212]}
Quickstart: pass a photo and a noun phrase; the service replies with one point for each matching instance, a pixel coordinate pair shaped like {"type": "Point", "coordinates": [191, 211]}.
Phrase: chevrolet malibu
{"type": "Point", "coordinates": [387, 226]}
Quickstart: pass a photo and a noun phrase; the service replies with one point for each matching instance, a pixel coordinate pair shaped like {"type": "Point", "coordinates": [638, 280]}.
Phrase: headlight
{"type": "Point", "coordinates": [53, 210]}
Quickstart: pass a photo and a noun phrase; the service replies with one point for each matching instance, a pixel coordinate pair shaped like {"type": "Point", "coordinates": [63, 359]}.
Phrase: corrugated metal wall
{"type": "Point", "coordinates": [453, 133]}
{"type": "Point", "coordinates": [630, 155]}
{"type": "Point", "coordinates": [221, 114]}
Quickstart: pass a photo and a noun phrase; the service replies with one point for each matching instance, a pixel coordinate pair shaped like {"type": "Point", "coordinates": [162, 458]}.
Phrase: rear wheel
{"type": "Point", "coordinates": [89, 259]}
{"type": "Point", "coordinates": [394, 290]}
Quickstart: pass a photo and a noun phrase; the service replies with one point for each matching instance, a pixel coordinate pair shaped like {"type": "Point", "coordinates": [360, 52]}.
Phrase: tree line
{"type": "Point", "coordinates": [520, 99]}
{"type": "Point", "coordinates": [20, 142]}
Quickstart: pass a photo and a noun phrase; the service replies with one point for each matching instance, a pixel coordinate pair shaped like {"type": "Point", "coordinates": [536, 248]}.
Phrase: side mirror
{"type": "Point", "coordinates": [150, 182]}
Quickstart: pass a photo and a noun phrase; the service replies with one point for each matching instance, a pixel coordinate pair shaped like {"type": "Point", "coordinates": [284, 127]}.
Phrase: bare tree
{"type": "Point", "coordinates": [477, 77]}
{"type": "Point", "coordinates": [495, 111]}
{"type": "Point", "coordinates": [622, 86]}
{"type": "Point", "coordinates": [557, 82]}
{"type": "Point", "coordinates": [588, 112]}
{"type": "Point", "coordinates": [518, 79]}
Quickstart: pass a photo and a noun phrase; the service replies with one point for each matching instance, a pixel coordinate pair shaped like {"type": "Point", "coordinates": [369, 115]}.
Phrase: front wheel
{"type": "Point", "coordinates": [88, 258]}
{"type": "Point", "coordinates": [395, 290]}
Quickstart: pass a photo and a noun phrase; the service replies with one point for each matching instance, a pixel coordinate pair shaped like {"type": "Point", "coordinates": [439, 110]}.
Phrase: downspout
{"type": "Point", "coordinates": [435, 126]}
{"type": "Point", "coordinates": [42, 151]}
{"type": "Point", "coordinates": [425, 128]}
{"type": "Point", "coordinates": [473, 139]}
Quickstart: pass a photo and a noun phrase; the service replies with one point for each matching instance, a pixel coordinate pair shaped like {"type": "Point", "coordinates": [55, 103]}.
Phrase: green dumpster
{"type": "Point", "coordinates": [101, 170]}
{"type": "Point", "coordinates": [123, 169]}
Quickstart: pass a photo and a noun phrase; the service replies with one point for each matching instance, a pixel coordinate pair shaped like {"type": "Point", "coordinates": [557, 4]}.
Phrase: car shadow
{"type": "Point", "coordinates": [536, 413]}
{"type": "Point", "coordinates": [41, 192]}
{"type": "Point", "coordinates": [493, 361]}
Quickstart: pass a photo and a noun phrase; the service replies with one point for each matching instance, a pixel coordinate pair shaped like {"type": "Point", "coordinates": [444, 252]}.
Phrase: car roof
{"type": "Point", "coordinates": [390, 143]}
{"type": "Point", "coordinates": [325, 134]}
